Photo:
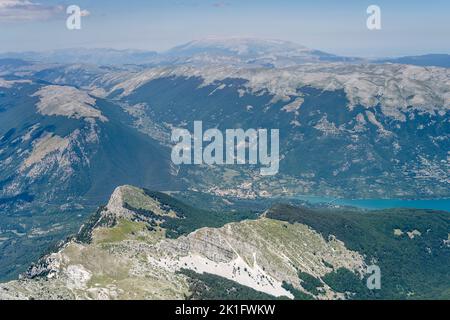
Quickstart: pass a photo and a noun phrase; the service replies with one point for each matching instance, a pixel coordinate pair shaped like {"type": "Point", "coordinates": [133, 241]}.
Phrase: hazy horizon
{"type": "Point", "coordinates": [412, 28]}
{"type": "Point", "coordinates": [162, 51]}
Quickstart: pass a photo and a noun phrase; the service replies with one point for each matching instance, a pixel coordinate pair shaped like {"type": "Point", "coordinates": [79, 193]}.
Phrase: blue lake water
{"type": "Point", "coordinates": [436, 204]}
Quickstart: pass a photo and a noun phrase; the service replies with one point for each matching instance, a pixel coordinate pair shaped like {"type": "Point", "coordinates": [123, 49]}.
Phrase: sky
{"type": "Point", "coordinates": [407, 27]}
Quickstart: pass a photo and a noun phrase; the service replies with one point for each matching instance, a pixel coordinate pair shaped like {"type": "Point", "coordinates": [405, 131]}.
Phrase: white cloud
{"type": "Point", "coordinates": [85, 13]}
{"type": "Point", "coordinates": [27, 10]}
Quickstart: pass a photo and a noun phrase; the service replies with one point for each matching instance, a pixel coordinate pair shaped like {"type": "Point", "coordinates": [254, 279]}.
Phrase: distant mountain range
{"type": "Point", "coordinates": [274, 53]}
{"type": "Point", "coordinates": [247, 51]}
{"type": "Point", "coordinates": [101, 56]}
{"type": "Point", "coordinates": [431, 60]}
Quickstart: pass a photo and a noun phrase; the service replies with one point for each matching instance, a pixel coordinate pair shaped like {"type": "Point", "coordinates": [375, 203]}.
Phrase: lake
{"type": "Point", "coordinates": [436, 204]}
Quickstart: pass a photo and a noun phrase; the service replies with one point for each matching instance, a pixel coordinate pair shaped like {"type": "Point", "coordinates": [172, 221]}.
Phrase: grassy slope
{"type": "Point", "coordinates": [189, 218]}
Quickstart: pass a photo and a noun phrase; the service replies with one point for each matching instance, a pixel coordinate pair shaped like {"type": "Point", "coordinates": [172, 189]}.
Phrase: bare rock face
{"type": "Point", "coordinates": [115, 206]}
{"type": "Point", "coordinates": [67, 101]}
{"type": "Point", "coordinates": [262, 254]}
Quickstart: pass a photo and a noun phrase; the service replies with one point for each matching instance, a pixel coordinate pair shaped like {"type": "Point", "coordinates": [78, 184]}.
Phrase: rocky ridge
{"type": "Point", "coordinates": [130, 257]}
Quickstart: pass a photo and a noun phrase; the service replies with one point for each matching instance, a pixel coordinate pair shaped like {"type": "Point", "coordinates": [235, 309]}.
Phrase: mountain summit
{"type": "Point", "coordinates": [240, 46]}
{"type": "Point", "coordinates": [250, 50]}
